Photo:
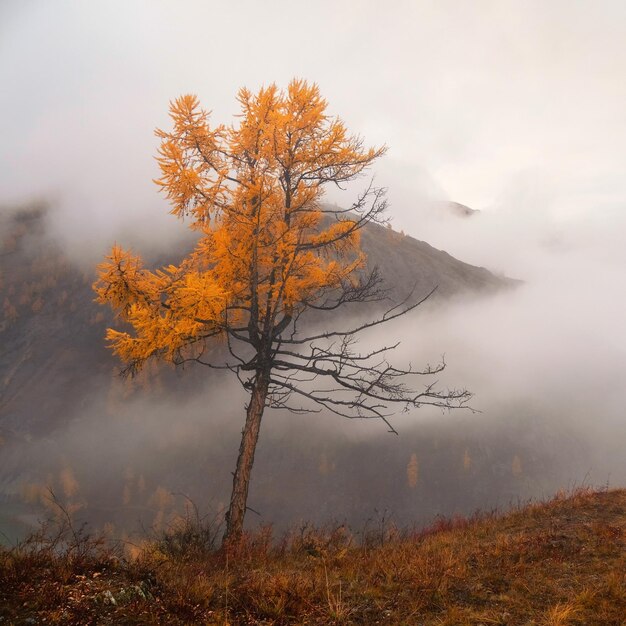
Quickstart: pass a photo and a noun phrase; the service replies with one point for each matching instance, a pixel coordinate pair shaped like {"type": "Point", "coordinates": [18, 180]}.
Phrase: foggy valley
{"type": "Point", "coordinates": [487, 143]}
{"type": "Point", "coordinates": [110, 446]}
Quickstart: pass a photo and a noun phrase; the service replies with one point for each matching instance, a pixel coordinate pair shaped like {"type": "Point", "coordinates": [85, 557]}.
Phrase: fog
{"type": "Point", "coordinates": [474, 102]}
{"type": "Point", "coordinates": [512, 108]}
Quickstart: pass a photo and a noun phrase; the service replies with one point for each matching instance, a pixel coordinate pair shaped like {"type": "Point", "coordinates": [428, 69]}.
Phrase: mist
{"type": "Point", "coordinates": [514, 109]}
{"type": "Point", "coordinates": [470, 100]}
{"type": "Point", "coordinates": [544, 360]}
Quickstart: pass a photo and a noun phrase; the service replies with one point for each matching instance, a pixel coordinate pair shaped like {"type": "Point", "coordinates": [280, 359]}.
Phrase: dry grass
{"type": "Point", "coordinates": [557, 563]}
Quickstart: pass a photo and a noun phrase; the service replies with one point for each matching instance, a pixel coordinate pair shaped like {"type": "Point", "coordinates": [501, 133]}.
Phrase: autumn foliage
{"type": "Point", "coordinates": [253, 192]}
{"type": "Point", "coordinates": [268, 250]}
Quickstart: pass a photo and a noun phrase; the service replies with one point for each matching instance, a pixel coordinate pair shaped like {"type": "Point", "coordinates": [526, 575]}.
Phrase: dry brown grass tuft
{"type": "Point", "coordinates": [555, 564]}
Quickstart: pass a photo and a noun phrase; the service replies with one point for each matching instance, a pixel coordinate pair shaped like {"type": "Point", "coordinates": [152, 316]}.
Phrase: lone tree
{"type": "Point", "coordinates": [268, 251]}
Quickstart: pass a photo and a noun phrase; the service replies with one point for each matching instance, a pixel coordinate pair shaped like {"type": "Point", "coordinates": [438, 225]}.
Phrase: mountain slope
{"type": "Point", "coordinates": [51, 332]}
{"type": "Point", "coordinates": [117, 450]}
{"type": "Point", "coordinates": [406, 263]}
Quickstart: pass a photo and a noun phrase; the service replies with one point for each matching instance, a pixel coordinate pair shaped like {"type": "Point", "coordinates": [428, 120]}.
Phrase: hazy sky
{"type": "Point", "coordinates": [503, 104]}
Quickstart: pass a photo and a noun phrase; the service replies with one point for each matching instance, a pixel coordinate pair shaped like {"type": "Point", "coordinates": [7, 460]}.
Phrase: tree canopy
{"type": "Point", "coordinates": [252, 191]}
{"type": "Point", "coordinates": [268, 250]}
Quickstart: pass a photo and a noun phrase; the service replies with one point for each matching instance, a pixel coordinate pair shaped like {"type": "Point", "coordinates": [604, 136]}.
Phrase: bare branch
{"type": "Point", "coordinates": [389, 315]}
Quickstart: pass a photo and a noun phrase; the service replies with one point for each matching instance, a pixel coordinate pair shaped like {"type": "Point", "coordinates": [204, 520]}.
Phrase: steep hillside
{"type": "Point", "coordinates": [51, 331]}
{"type": "Point", "coordinates": [117, 450]}
{"type": "Point", "coordinates": [406, 262]}
{"type": "Point", "coordinates": [556, 564]}
{"type": "Point", "coordinates": [51, 347]}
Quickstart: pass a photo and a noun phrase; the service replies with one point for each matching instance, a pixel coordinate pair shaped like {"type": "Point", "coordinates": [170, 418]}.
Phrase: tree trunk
{"type": "Point", "coordinates": [241, 478]}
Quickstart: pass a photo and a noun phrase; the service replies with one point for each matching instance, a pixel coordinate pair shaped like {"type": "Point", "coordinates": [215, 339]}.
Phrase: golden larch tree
{"type": "Point", "coordinates": [268, 251]}
{"type": "Point", "coordinates": [412, 471]}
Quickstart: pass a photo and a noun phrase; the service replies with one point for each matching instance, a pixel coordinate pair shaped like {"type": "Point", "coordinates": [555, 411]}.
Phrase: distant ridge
{"type": "Point", "coordinates": [459, 209]}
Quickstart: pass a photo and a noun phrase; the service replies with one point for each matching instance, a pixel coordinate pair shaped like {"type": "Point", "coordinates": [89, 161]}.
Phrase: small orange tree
{"type": "Point", "coordinates": [267, 252]}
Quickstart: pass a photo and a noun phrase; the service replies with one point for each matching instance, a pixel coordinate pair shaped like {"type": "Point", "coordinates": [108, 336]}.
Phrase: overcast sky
{"type": "Point", "coordinates": [503, 105]}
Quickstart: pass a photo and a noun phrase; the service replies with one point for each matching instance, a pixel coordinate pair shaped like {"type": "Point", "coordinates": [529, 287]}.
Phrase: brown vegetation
{"type": "Point", "coordinates": [562, 562]}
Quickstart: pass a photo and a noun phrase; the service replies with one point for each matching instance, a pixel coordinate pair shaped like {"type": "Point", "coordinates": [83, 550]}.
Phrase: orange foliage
{"type": "Point", "coordinates": [68, 482]}
{"type": "Point", "coordinates": [412, 471]}
{"type": "Point", "coordinates": [326, 466]}
{"type": "Point", "coordinates": [467, 460]}
{"type": "Point", "coordinates": [252, 191]}
{"type": "Point", "coordinates": [10, 312]}
{"type": "Point", "coordinates": [37, 305]}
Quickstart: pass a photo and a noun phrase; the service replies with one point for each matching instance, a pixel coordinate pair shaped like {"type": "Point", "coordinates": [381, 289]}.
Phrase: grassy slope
{"type": "Point", "coordinates": [561, 562]}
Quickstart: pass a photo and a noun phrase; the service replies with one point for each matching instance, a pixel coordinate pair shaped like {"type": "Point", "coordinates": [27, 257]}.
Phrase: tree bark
{"type": "Point", "coordinates": [241, 478]}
